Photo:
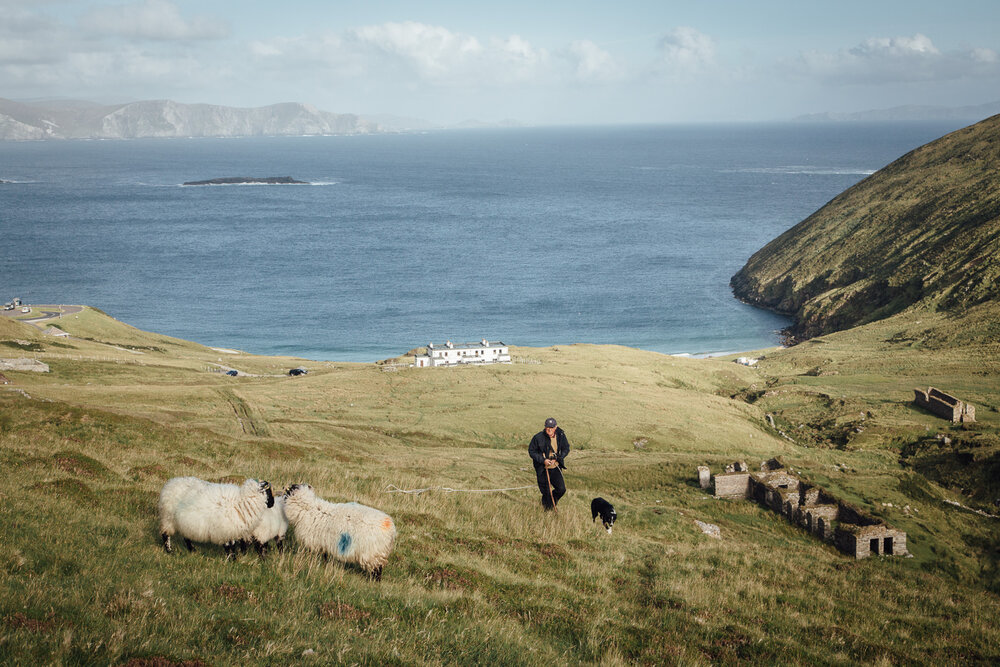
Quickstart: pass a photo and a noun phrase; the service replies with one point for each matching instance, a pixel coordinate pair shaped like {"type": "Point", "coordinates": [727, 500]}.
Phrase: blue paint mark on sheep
{"type": "Point", "coordinates": [344, 544]}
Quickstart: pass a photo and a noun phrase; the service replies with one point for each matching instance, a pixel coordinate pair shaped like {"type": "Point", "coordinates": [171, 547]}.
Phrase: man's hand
{"type": "Point", "coordinates": [551, 463]}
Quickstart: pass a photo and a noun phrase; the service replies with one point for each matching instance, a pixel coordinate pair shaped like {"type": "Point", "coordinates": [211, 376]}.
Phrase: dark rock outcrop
{"type": "Point", "coordinates": [249, 180]}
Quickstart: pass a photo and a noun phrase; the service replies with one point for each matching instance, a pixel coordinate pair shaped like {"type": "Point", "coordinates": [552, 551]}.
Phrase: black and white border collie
{"type": "Point", "coordinates": [606, 510]}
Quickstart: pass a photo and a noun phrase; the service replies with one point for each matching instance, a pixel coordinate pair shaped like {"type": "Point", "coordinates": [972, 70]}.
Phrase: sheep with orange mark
{"type": "Point", "coordinates": [349, 532]}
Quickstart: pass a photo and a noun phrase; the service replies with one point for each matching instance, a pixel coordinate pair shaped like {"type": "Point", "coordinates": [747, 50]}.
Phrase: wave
{"type": "Point", "coordinates": [809, 171]}
{"type": "Point", "coordinates": [705, 355]}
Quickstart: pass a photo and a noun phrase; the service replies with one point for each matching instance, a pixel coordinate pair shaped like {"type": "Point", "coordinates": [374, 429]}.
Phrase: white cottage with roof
{"type": "Point", "coordinates": [459, 354]}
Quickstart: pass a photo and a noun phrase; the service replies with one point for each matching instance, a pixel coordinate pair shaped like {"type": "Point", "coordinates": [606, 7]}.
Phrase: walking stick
{"type": "Point", "coordinates": [551, 497]}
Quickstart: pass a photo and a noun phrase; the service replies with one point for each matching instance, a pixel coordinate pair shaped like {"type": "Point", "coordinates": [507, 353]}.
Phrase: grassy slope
{"type": "Point", "coordinates": [482, 577]}
{"type": "Point", "coordinates": [924, 228]}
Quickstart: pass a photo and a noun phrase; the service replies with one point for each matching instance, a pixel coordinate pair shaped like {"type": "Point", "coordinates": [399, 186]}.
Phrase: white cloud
{"type": "Point", "coordinates": [885, 60]}
{"type": "Point", "coordinates": [158, 20]}
{"type": "Point", "coordinates": [592, 64]}
{"type": "Point", "coordinates": [515, 59]}
{"type": "Point", "coordinates": [26, 37]}
{"type": "Point", "coordinates": [984, 56]}
{"type": "Point", "coordinates": [686, 51]}
{"type": "Point", "coordinates": [44, 54]}
{"type": "Point", "coordinates": [413, 53]}
{"type": "Point", "coordinates": [426, 56]}
{"type": "Point", "coordinates": [895, 47]}
{"type": "Point", "coordinates": [431, 52]}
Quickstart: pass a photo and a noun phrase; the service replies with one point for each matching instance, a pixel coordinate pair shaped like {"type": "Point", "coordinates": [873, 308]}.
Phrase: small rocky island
{"type": "Point", "coordinates": [249, 180]}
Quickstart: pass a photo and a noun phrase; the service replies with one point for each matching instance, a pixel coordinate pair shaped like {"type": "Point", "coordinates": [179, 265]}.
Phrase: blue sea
{"type": "Point", "coordinates": [534, 236]}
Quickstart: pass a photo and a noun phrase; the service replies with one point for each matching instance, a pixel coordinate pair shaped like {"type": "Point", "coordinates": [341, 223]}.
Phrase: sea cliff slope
{"type": "Point", "coordinates": [924, 229]}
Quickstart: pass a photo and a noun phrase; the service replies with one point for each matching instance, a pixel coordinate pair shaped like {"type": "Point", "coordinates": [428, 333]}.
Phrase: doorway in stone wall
{"type": "Point", "coordinates": [873, 546]}
{"type": "Point", "coordinates": [887, 546]}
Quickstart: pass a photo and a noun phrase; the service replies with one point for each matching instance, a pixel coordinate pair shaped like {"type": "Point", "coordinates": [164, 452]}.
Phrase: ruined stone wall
{"type": "Point", "coordinates": [824, 529]}
{"type": "Point", "coordinates": [847, 542]}
{"type": "Point", "coordinates": [898, 543]}
{"type": "Point", "coordinates": [704, 477]}
{"type": "Point", "coordinates": [944, 405]}
{"type": "Point", "coordinates": [732, 485]}
{"type": "Point", "coordinates": [810, 495]}
{"type": "Point", "coordinates": [868, 541]}
{"type": "Point", "coordinates": [847, 513]}
{"type": "Point", "coordinates": [814, 495]}
{"type": "Point", "coordinates": [818, 520]}
{"type": "Point", "coordinates": [24, 365]}
{"type": "Point", "coordinates": [851, 530]}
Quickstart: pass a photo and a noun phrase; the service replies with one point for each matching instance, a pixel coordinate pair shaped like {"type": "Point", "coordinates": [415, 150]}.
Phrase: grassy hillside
{"type": "Point", "coordinates": [926, 229]}
{"type": "Point", "coordinates": [481, 574]}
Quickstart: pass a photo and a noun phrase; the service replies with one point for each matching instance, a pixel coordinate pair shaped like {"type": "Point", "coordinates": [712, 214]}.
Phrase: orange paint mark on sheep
{"type": "Point", "coordinates": [387, 524]}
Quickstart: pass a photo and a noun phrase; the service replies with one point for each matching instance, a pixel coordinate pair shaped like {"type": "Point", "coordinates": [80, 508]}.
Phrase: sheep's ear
{"type": "Point", "coordinates": [265, 485]}
{"type": "Point", "coordinates": [289, 490]}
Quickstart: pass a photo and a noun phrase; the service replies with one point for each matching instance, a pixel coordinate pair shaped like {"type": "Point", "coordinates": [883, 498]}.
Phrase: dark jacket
{"type": "Point", "coordinates": [540, 449]}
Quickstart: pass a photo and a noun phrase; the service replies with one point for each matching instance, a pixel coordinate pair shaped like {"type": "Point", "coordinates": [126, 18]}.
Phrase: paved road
{"type": "Point", "coordinates": [48, 313]}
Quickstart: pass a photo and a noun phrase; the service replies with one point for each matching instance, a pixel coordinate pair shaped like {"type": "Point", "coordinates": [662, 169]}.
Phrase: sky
{"type": "Point", "coordinates": [537, 62]}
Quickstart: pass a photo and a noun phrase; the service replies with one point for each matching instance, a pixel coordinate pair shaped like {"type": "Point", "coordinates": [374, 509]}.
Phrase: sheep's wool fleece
{"type": "Point", "coordinates": [273, 523]}
{"type": "Point", "coordinates": [349, 532]}
{"type": "Point", "coordinates": [206, 512]}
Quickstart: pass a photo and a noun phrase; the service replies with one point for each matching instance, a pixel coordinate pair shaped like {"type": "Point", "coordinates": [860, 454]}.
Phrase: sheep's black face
{"type": "Point", "coordinates": [265, 488]}
{"type": "Point", "coordinates": [295, 487]}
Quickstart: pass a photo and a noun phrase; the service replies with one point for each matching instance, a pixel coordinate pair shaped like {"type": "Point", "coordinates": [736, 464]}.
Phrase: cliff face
{"type": "Point", "coordinates": [926, 228]}
{"type": "Point", "coordinates": [163, 118]}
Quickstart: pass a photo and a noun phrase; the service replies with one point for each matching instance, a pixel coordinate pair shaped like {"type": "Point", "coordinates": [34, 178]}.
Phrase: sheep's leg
{"type": "Point", "coordinates": [376, 574]}
{"type": "Point", "coordinates": [166, 542]}
{"type": "Point", "coordinates": [188, 544]}
{"type": "Point", "coordinates": [261, 548]}
{"type": "Point", "coordinates": [279, 542]}
{"type": "Point", "coordinates": [242, 544]}
{"type": "Point", "coordinates": [230, 548]}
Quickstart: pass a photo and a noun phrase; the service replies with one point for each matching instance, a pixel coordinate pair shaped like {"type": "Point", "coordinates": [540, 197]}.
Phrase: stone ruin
{"type": "Point", "coordinates": [846, 527]}
{"type": "Point", "coordinates": [945, 405]}
{"type": "Point", "coordinates": [23, 365]}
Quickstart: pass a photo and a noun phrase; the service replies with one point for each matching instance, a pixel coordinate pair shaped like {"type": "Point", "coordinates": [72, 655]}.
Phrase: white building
{"type": "Point", "coordinates": [457, 354]}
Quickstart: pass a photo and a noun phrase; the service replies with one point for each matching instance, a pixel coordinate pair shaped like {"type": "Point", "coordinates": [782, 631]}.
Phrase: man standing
{"type": "Point", "coordinates": [547, 450]}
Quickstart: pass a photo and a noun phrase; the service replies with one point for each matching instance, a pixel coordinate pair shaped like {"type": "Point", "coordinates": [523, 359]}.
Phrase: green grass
{"type": "Point", "coordinates": [487, 577]}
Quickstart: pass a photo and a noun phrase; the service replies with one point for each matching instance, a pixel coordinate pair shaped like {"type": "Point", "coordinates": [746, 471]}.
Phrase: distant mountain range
{"type": "Point", "coordinates": [76, 119]}
{"type": "Point", "coordinates": [909, 112]}
{"type": "Point", "coordinates": [164, 118]}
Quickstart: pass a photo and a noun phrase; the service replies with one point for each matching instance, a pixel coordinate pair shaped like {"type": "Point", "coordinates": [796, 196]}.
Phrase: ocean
{"type": "Point", "coordinates": [532, 236]}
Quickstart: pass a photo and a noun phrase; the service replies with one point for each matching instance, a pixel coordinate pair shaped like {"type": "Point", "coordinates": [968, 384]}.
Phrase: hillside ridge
{"type": "Point", "coordinates": [924, 229]}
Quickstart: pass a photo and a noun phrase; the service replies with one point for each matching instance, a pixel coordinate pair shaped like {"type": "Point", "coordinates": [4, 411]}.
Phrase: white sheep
{"type": "Point", "coordinates": [349, 532]}
{"type": "Point", "coordinates": [201, 511]}
{"type": "Point", "coordinates": [273, 526]}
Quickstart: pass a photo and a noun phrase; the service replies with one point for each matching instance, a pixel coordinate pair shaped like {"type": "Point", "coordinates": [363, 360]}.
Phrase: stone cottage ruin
{"type": "Point", "coordinates": [945, 405]}
{"type": "Point", "coordinates": [849, 529]}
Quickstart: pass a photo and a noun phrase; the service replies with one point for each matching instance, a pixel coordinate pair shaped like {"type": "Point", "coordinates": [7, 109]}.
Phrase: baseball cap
{"type": "Point", "coordinates": [550, 422]}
